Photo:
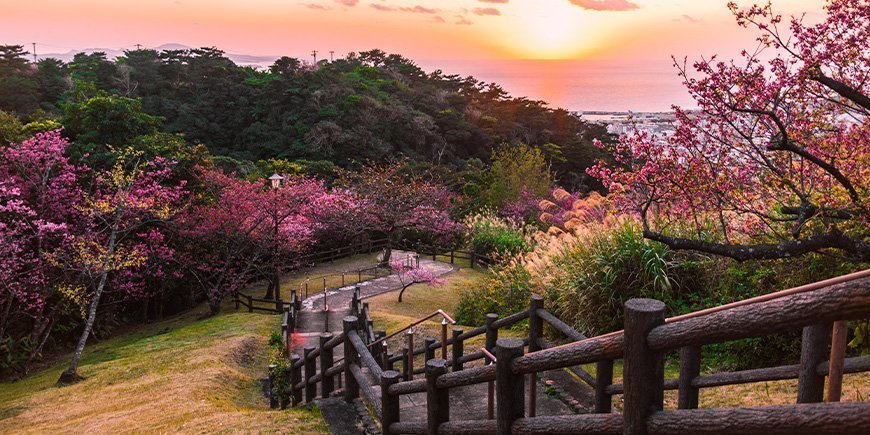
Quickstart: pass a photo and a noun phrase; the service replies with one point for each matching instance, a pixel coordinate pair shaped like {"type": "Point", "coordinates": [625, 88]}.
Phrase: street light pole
{"type": "Point", "coordinates": [275, 180]}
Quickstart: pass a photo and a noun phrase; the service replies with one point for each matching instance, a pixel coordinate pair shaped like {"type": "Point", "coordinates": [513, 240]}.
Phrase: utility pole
{"type": "Point", "coordinates": [138, 47]}
{"type": "Point", "coordinates": [330, 56]}
{"type": "Point", "coordinates": [314, 53]}
{"type": "Point", "coordinates": [34, 52]}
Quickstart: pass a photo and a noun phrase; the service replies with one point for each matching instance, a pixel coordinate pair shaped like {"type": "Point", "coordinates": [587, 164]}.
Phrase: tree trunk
{"type": "Point", "coordinates": [270, 289]}
{"type": "Point", "coordinates": [71, 375]}
{"type": "Point", "coordinates": [402, 291]}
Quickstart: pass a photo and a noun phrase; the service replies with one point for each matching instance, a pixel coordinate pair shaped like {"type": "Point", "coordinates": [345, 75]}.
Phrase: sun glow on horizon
{"type": "Point", "coordinates": [548, 30]}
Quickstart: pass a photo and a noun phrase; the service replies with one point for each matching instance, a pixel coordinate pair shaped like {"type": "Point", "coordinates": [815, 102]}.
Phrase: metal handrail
{"type": "Point", "coordinates": [415, 323]}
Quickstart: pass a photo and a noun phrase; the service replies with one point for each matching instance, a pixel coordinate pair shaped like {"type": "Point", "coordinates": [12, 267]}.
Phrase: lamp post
{"type": "Point", "coordinates": [276, 180]}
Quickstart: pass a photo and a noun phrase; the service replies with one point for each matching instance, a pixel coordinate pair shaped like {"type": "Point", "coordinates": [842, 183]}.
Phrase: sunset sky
{"type": "Point", "coordinates": [442, 29]}
{"type": "Point", "coordinates": [626, 33]}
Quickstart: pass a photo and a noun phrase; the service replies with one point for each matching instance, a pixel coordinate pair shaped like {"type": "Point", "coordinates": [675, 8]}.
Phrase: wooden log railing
{"type": "Point", "coordinates": [641, 346]}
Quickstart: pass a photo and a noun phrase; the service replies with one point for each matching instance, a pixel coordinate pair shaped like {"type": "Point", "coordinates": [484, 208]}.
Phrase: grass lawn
{"type": "Point", "coordinates": [421, 300]}
{"type": "Point", "coordinates": [180, 375]}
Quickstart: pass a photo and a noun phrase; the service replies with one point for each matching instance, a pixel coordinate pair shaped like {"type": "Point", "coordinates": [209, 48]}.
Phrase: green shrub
{"type": "Point", "coordinates": [507, 292]}
{"type": "Point", "coordinates": [491, 235]}
{"type": "Point", "coordinates": [587, 278]}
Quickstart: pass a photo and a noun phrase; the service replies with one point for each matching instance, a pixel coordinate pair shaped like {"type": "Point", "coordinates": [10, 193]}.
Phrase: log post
{"type": "Point", "coordinates": [310, 372]}
{"type": "Point", "coordinates": [409, 355]}
{"type": "Point", "coordinates": [814, 346]}
{"type": "Point", "coordinates": [273, 395]}
{"type": "Point", "coordinates": [250, 304]}
{"type": "Point", "coordinates": [643, 371]}
{"type": "Point", "coordinates": [690, 368]}
{"type": "Point", "coordinates": [390, 365]}
{"type": "Point", "coordinates": [838, 355]}
{"type": "Point", "coordinates": [603, 379]}
{"type": "Point", "coordinates": [457, 349]}
{"type": "Point", "coordinates": [437, 400]}
{"type": "Point", "coordinates": [510, 402]}
{"type": "Point", "coordinates": [491, 333]}
{"type": "Point", "coordinates": [295, 378]}
{"type": "Point", "coordinates": [444, 339]}
{"type": "Point", "coordinates": [473, 258]}
{"type": "Point", "coordinates": [406, 376]}
{"type": "Point", "coordinates": [327, 384]}
{"type": "Point", "coordinates": [351, 388]}
{"type": "Point", "coordinates": [389, 402]}
{"type": "Point", "coordinates": [536, 331]}
{"type": "Point", "coordinates": [429, 351]}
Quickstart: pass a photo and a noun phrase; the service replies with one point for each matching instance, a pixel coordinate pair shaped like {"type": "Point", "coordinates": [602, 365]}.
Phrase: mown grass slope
{"type": "Point", "coordinates": [180, 375]}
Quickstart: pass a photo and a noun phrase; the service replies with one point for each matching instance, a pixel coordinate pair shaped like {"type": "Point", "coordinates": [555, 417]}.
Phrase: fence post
{"type": "Point", "coordinates": [378, 349]}
{"type": "Point", "coordinates": [838, 353]}
{"type": "Point", "coordinates": [457, 349]}
{"type": "Point", "coordinates": [273, 397]}
{"type": "Point", "coordinates": [814, 346]}
{"type": "Point", "coordinates": [250, 304]}
{"type": "Point", "coordinates": [428, 351]}
{"type": "Point", "coordinates": [536, 331]}
{"type": "Point", "coordinates": [310, 371]}
{"type": "Point", "coordinates": [389, 402]}
{"type": "Point", "coordinates": [491, 333]}
{"type": "Point", "coordinates": [279, 305]}
{"type": "Point", "coordinates": [437, 400]}
{"type": "Point", "coordinates": [326, 360]}
{"type": "Point", "coordinates": [510, 403]}
{"type": "Point", "coordinates": [409, 358]}
{"type": "Point", "coordinates": [451, 256]}
{"type": "Point", "coordinates": [351, 388]}
{"type": "Point", "coordinates": [236, 299]}
{"type": "Point", "coordinates": [295, 378]}
{"type": "Point", "coordinates": [388, 356]}
{"type": "Point", "coordinates": [603, 379]}
{"type": "Point", "coordinates": [643, 370]}
{"type": "Point", "coordinates": [473, 258]}
{"type": "Point", "coordinates": [406, 374]}
{"type": "Point", "coordinates": [690, 368]}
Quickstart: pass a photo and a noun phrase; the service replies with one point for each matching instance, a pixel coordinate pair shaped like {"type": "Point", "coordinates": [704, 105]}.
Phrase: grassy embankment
{"type": "Point", "coordinates": [179, 375]}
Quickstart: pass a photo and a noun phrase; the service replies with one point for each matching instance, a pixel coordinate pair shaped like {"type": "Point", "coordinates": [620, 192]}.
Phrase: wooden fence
{"type": "Point", "coordinates": [323, 283]}
{"type": "Point", "coordinates": [369, 372]}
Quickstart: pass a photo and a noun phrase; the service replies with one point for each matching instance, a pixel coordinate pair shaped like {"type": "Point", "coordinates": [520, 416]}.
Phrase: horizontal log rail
{"type": "Point", "coordinates": [648, 334]}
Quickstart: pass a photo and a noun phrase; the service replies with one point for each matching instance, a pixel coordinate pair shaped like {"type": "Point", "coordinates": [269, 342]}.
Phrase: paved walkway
{"type": "Point", "coordinates": [466, 403]}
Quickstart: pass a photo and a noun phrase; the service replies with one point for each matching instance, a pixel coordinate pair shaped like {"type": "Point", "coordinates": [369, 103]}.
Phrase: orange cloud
{"type": "Point", "coordinates": [486, 11]}
{"type": "Point", "coordinates": [605, 5]}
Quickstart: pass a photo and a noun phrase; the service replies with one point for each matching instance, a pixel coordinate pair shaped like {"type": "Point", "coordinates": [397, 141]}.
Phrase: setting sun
{"type": "Point", "coordinates": [547, 30]}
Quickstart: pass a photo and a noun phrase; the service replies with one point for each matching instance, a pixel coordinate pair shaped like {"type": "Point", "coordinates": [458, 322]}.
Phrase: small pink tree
{"type": "Point", "coordinates": [409, 273]}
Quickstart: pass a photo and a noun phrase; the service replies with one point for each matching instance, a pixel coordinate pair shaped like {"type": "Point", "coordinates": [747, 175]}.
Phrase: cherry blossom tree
{"type": "Point", "coordinates": [391, 201]}
{"type": "Point", "coordinates": [241, 230]}
{"type": "Point", "coordinates": [38, 212]}
{"type": "Point", "coordinates": [126, 200]}
{"type": "Point", "coordinates": [775, 163]}
{"type": "Point", "coordinates": [409, 272]}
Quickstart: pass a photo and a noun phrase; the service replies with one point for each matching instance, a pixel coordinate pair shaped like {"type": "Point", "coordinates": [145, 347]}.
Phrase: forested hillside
{"type": "Point", "coordinates": [370, 105]}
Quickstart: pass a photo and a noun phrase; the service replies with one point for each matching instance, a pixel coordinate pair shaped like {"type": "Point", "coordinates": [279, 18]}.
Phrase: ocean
{"type": "Point", "coordinates": [579, 85]}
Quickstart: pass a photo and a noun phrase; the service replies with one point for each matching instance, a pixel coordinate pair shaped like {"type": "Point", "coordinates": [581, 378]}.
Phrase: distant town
{"type": "Point", "coordinates": [660, 123]}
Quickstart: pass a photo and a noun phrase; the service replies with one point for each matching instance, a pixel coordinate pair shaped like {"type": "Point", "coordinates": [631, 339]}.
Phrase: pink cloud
{"type": "Point", "coordinates": [415, 10]}
{"type": "Point", "coordinates": [494, 1]}
{"type": "Point", "coordinates": [486, 11]}
{"type": "Point", "coordinates": [605, 5]}
{"type": "Point", "coordinates": [348, 2]}
{"type": "Point", "coordinates": [315, 6]}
